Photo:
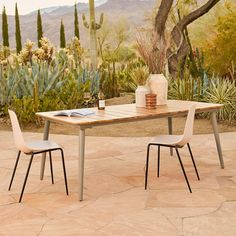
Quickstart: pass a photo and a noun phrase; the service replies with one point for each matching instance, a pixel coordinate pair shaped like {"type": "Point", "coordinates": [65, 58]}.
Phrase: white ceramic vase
{"type": "Point", "coordinates": [159, 85]}
{"type": "Point", "coordinates": [140, 93]}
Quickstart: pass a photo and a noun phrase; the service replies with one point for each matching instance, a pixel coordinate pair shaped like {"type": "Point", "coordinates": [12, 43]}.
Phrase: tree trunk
{"type": "Point", "coordinates": [176, 59]}
{"type": "Point", "coordinates": [161, 17]}
{"type": "Point", "coordinates": [176, 62]}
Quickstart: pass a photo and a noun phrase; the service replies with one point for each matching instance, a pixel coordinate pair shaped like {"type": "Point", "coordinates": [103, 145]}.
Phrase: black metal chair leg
{"type": "Point", "coordinates": [50, 159]}
{"type": "Point", "coordinates": [181, 164]}
{"type": "Point", "coordinates": [158, 161]}
{"type": "Point", "coordinates": [64, 170]}
{"type": "Point", "coordinates": [195, 167]}
{"type": "Point", "coordinates": [147, 164]}
{"type": "Point", "coordinates": [26, 177]}
{"type": "Point", "coordinates": [14, 171]}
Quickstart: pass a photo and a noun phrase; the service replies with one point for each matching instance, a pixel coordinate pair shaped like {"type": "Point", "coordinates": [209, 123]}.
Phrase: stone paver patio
{"type": "Point", "coordinates": [115, 202]}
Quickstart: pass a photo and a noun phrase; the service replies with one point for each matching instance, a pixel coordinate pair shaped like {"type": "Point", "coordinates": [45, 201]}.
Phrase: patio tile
{"type": "Point", "coordinates": [115, 202]}
{"type": "Point", "coordinates": [141, 223]}
{"type": "Point", "coordinates": [220, 222]}
{"type": "Point", "coordinates": [178, 198]}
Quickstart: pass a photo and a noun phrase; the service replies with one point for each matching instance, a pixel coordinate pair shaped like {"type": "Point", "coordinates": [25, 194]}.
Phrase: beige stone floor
{"type": "Point", "coordinates": [115, 202]}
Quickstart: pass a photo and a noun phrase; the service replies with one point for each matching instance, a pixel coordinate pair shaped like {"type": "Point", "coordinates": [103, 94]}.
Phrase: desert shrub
{"type": "Point", "coordinates": [188, 87]}
{"type": "Point", "coordinates": [27, 106]}
{"type": "Point", "coordinates": [115, 70]}
{"type": "Point", "coordinates": [213, 90]}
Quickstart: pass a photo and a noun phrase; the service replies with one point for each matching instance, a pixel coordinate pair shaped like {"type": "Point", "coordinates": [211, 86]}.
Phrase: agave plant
{"type": "Point", "coordinates": [87, 80]}
{"type": "Point", "coordinates": [29, 81]}
{"type": "Point", "coordinates": [223, 91]}
{"type": "Point", "coordinates": [8, 85]}
{"type": "Point", "coordinates": [39, 79]}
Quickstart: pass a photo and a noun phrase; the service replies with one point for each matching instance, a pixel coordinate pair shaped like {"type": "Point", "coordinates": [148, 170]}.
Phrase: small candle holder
{"type": "Point", "coordinates": [151, 101]}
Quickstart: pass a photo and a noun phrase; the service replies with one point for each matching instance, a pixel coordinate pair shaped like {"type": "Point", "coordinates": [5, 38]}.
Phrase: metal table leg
{"type": "Point", "coordinates": [45, 137]}
{"type": "Point", "coordinates": [81, 162]}
{"type": "Point", "coordinates": [217, 138]}
{"type": "Point", "coordinates": [170, 130]}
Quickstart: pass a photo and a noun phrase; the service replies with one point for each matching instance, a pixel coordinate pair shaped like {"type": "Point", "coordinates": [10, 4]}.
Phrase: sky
{"type": "Point", "coordinates": [27, 6]}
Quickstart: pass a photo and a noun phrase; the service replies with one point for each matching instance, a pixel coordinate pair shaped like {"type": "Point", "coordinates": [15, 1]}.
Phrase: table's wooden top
{"type": "Point", "coordinates": [129, 112]}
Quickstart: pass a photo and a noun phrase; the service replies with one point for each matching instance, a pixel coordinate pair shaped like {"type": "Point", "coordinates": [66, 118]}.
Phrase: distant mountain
{"type": "Point", "coordinates": [49, 10]}
{"type": "Point", "coordinates": [100, 2]}
{"type": "Point", "coordinates": [62, 10]}
{"type": "Point", "coordinates": [134, 11]}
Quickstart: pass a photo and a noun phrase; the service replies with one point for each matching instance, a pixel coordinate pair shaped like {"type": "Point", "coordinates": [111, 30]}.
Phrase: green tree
{"type": "Point", "coordinates": [17, 32]}
{"type": "Point", "coordinates": [39, 28]}
{"type": "Point", "coordinates": [5, 35]}
{"type": "Point", "coordinates": [62, 36]}
{"type": "Point", "coordinates": [221, 51]}
{"type": "Point", "coordinates": [160, 47]}
{"type": "Point", "coordinates": [76, 23]}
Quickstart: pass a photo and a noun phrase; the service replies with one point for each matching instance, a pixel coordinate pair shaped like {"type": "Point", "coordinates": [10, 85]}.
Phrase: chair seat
{"type": "Point", "coordinates": [41, 145]}
{"type": "Point", "coordinates": [172, 140]}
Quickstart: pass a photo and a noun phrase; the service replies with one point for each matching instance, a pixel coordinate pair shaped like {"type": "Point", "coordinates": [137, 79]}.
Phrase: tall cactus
{"type": "Point", "coordinates": [93, 27]}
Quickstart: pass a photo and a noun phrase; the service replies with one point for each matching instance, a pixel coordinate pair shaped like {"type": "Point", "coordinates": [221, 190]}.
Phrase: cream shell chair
{"type": "Point", "coordinates": [32, 148]}
{"type": "Point", "coordinates": [175, 141]}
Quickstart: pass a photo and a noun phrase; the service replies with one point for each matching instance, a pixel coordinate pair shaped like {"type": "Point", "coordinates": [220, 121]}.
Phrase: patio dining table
{"type": "Point", "coordinates": [126, 113]}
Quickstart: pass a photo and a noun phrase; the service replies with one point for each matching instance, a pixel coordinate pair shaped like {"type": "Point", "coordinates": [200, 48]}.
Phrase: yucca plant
{"type": "Point", "coordinates": [223, 91]}
{"type": "Point", "coordinates": [186, 87]}
{"type": "Point", "coordinates": [183, 89]}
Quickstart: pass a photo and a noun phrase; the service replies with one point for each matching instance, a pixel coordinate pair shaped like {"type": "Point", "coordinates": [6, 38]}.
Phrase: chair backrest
{"type": "Point", "coordinates": [188, 129]}
{"type": "Point", "coordinates": [17, 134]}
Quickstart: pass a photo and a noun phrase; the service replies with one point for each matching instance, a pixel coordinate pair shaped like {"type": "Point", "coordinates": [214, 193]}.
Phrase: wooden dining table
{"type": "Point", "coordinates": [126, 113]}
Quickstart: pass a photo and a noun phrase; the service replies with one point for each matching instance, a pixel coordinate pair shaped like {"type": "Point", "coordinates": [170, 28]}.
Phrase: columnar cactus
{"type": "Point", "coordinates": [93, 27]}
